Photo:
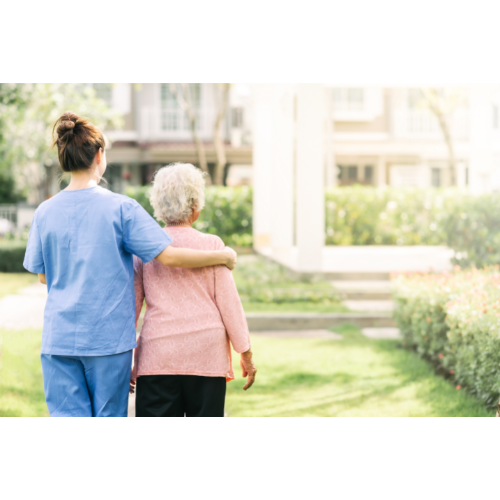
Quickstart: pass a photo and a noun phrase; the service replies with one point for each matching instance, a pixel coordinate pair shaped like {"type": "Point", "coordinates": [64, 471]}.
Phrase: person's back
{"type": "Point", "coordinates": [183, 360]}
{"type": "Point", "coordinates": [188, 313]}
{"type": "Point", "coordinates": [86, 239]}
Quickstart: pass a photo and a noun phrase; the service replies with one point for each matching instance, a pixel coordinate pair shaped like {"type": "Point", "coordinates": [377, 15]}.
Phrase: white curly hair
{"type": "Point", "coordinates": [177, 190]}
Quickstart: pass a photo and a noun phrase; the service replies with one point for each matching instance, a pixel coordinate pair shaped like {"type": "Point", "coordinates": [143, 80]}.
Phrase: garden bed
{"type": "Point", "coordinates": [453, 319]}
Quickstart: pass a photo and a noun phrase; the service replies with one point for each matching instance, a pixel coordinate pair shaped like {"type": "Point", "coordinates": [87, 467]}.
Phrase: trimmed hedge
{"type": "Point", "coordinates": [12, 256]}
{"type": "Point", "coordinates": [227, 212]}
{"type": "Point", "coordinates": [453, 319]}
{"type": "Point", "coordinates": [470, 225]}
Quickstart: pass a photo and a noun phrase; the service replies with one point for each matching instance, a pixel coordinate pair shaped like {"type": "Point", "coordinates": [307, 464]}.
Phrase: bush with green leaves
{"type": "Point", "coordinates": [470, 225]}
{"type": "Point", "coordinates": [227, 212]}
{"type": "Point", "coordinates": [12, 256]}
{"type": "Point", "coordinates": [453, 319]}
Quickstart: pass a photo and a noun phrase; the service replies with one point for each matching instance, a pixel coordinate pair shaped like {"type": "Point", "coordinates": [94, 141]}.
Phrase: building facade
{"type": "Point", "coordinates": [156, 130]}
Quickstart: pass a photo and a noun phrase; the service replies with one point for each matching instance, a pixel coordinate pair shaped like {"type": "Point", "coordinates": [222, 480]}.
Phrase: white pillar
{"type": "Point", "coordinates": [262, 165]}
{"type": "Point", "coordinates": [310, 196]}
{"type": "Point", "coordinates": [480, 164]}
{"type": "Point", "coordinates": [282, 175]}
{"type": "Point", "coordinates": [381, 172]}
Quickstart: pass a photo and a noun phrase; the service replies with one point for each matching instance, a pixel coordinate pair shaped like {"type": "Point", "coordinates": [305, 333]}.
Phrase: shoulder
{"type": "Point", "coordinates": [211, 241]}
{"type": "Point", "coordinates": [115, 198]}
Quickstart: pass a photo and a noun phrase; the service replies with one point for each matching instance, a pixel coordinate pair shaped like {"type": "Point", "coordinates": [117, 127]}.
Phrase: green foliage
{"type": "Point", "coordinates": [12, 256]}
{"type": "Point", "coordinates": [28, 112]}
{"type": "Point", "coordinates": [8, 189]}
{"type": "Point", "coordinates": [262, 281]}
{"type": "Point", "coordinates": [227, 212]}
{"type": "Point", "coordinates": [468, 224]}
{"type": "Point", "coordinates": [453, 319]}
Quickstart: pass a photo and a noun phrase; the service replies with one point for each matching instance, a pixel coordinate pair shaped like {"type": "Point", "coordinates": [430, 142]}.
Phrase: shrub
{"type": "Point", "coordinates": [453, 319]}
{"type": "Point", "coordinates": [12, 256]}
{"type": "Point", "coordinates": [468, 224]}
{"type": "Point", "coordinates": [227, 212]}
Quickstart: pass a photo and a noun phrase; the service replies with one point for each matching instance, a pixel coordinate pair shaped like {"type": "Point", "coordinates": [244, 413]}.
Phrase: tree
{"type": "Point", "coordinates": [184, 99]}
{"type": "Point", "coordinates": [28, 130]}
{"type": "Point", "coordinates": [443, 104]}
{"type": "Point", "coordinates": [221, 100]}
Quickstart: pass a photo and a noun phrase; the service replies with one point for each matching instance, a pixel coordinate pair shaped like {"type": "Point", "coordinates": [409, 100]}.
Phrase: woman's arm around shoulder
{"type": "Point", "coordinates": [189, 258]}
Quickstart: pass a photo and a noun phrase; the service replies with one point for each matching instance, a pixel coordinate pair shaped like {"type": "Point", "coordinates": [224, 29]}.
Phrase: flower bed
{"type": "Point", "coordinates": [453, 319]}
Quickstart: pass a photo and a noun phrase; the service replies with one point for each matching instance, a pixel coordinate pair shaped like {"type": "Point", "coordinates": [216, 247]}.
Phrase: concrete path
{"type": "Point", "coordinates": [381, 333]}
{"type": "Point", "coordinates": [24, 310]}
{"type": "Point", "coordinates": [369, 305]}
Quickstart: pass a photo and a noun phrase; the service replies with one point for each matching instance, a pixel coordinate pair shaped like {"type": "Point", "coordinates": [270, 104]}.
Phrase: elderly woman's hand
{"type": "Point", "coordinates": [133, 381]}
{"type": "Point", "coordinates": [232, 257]}
{"type": "Point", "coordinates": [248, 368]}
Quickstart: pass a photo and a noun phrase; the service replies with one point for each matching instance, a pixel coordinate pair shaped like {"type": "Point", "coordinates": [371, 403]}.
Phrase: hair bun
{"type": "Point", "coordinates": [65, 126]}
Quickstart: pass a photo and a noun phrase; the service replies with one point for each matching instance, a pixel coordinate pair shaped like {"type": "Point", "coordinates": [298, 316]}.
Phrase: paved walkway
{"type": "Point", "coordinates": [24, 310]}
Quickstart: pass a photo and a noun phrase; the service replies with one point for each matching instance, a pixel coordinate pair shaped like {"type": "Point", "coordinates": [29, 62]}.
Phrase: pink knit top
{"type": "Point", "coordinates": [191, 314]}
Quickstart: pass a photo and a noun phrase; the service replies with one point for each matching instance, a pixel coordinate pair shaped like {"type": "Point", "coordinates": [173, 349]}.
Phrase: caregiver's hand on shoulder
{"type": "Point", "coordinates": [248, 368]}
{"type": "Point", "coordinates": [232, 257]}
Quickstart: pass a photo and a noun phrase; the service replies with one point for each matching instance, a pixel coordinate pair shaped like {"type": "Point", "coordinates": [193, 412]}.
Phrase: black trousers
{"type": "Point", "coordinates": [176, 395]}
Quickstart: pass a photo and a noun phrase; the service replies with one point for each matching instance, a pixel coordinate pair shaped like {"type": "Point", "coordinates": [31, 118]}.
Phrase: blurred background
{"type": "Point", "coordinates": [325, 191]}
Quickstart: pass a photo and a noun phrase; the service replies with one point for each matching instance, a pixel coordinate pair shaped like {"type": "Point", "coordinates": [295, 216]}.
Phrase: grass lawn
{"type": "Point", "coordinates": [12, 282]}
{"type": "Point", "coordinates": [265, 286]}
{"type": "Point", "coordinates": [355, 376]}
{"type": "Point", "coordinates": [21, 383]}
{"type": "Point", "coordinates": [296, 377]}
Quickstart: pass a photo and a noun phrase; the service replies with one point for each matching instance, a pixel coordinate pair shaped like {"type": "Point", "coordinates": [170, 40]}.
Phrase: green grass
{"type": "Point", "coordinates": [12, 282]}
{"type": "Point", "coordinates": [265, 286]}
{"type": "Point", "coordinates": [355, 376]}
{"type": "Point", "coordinates": [21, 382]}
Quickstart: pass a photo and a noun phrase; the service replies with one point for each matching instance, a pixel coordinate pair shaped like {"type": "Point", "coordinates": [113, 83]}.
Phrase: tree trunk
{"type": "Point", "coordinates": [218, 141]}
{"type": "Point", "coordinates": [185, 103]}
{"type": "Point", "coordinates": [434, 106]}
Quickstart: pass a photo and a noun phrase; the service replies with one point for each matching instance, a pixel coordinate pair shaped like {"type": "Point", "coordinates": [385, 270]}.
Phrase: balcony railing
{"type": "Point", "coordinates": [423, 124]}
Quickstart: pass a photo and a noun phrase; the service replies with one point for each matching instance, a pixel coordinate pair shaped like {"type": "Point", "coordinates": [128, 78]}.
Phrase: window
{"type": "Point", "coordinates": [352, 173]}
{"type": "Point", "coordinates": [173, 117]}
{"type": "Point", "coordinates": [415, 98]}
{"type": "Point", "coordinates": [348, 98]}
{"type": "Point", "coordinates": [168, 99]}
{"type": "Point", "coordinates": [103, 91]}
{"type": "Point", "coordinates": [369, 174]}
{"type": "Point", "coordinates": [237, 117]}
{"type": "Point", "coordinates": [436, 177]}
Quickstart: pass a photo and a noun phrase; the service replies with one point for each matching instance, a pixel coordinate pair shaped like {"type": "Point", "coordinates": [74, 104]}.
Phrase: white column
{"type": "Point", "coordinates": [310, 196]}
{"type": "Point", "coordinates": [480, 163]}
{"type": "Point", "coordinates": [381, 172]}
{"type": "Point", "coordinates": [262, 164]}
{"type": "Point", "coordinates": [282, 176]}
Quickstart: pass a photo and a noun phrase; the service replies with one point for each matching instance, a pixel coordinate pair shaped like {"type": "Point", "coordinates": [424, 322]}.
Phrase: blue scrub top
{"type": "Point", "coordinates": [83, 241]}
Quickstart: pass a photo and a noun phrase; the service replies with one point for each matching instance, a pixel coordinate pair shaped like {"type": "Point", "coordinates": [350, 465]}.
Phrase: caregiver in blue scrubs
{"type": "Point", "coordinates": [81, 245]}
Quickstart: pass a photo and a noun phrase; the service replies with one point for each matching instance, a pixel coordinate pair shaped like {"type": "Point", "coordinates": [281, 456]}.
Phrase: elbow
{"type": "Point", "coordinates": [42, 279]}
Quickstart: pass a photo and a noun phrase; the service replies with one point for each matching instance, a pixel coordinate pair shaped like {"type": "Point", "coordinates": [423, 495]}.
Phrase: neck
{"type": "Point", "coordinates": [82, 180]}
{"type": "Point", "coordinates": [185, 224]}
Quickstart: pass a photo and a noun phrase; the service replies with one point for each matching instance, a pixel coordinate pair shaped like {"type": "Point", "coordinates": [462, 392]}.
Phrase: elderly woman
{"type": "Point", "coordinates": [183, 358]}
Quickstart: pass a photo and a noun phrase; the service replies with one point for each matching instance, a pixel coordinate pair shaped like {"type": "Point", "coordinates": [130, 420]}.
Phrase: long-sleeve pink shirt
{"type": "Point", "coordinates": [191, 314]}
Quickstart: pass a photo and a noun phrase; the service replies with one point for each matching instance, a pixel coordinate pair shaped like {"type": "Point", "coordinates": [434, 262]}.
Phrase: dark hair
{"type": "Point", "coordinates": [77, 141]}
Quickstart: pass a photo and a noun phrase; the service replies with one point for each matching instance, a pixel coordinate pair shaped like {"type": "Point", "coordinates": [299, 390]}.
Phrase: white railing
{"type": "Point", "coordinates": [423, 124]}
{"type": "Point", "coordinates": [9, 212]}
{"type": "Point", "coordinates": [173, 124]}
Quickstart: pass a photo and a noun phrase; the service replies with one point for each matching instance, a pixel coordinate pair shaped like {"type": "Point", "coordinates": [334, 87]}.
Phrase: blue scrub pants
{"type": "Point", "coordinates": [87, 386]}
